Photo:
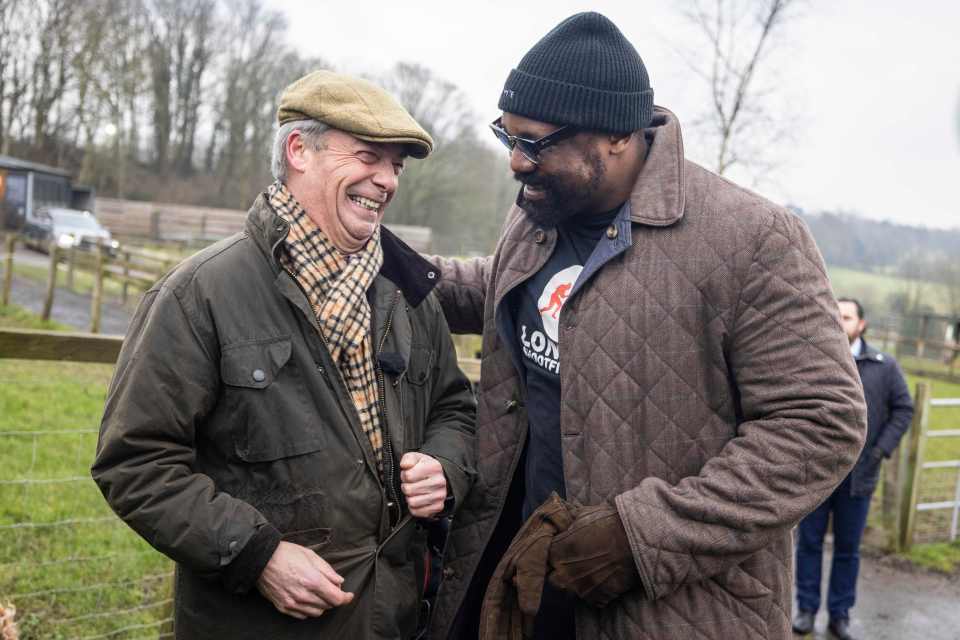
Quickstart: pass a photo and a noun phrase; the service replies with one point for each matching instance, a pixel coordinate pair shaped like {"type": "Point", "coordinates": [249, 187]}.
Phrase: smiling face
{"type": "Point", "coordinates": [569, 178]}
{"type": "Point", "coordinates": [344, 185]}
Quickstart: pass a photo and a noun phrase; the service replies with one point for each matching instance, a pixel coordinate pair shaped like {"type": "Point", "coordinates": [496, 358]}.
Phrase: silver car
{"type": "Point", "coordinates": [67, 228]}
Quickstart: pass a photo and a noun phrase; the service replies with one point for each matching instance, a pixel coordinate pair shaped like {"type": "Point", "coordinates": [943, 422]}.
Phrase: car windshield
{"type": "Point", "coordinates": [77, 220]}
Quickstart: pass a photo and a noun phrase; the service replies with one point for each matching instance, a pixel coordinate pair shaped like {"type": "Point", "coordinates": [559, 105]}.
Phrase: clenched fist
{"type": "Point", "coordinates": [423, 484]}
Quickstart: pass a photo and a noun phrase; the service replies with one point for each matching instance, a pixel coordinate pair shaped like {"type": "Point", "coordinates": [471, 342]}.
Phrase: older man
{"type": "Point", "coordinates": [287, 413]}
{"type": "Point", "coordinates": [660, 348]}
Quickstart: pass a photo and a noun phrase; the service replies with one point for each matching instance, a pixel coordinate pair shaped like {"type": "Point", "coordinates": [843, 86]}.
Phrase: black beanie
{"type": "Point", "coordinates": [585, 73]}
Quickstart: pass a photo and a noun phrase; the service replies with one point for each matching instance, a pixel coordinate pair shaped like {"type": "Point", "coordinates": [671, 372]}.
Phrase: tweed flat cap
{"type": "Point", "coordinates": [356, 106]}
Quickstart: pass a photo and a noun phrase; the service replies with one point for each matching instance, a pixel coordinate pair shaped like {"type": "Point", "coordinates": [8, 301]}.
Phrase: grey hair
{"type": "Point", "coordinates": [311, 130]}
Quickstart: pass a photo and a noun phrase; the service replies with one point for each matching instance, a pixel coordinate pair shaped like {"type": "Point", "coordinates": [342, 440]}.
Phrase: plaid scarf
{"type": "Point", "coordinates": [336, 286]}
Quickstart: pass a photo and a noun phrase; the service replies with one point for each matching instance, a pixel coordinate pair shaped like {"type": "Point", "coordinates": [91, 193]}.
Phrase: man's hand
{"type": "Point", "coordinates": [423, 484]}
{"type": "Point", "coordinates": [592, 559]}
{"type": "Point", "coordinates": [300, 583]}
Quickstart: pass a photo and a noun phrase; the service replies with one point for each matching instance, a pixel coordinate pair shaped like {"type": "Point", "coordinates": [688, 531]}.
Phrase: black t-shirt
{"type": "Point", "coordinates": [540, 301]}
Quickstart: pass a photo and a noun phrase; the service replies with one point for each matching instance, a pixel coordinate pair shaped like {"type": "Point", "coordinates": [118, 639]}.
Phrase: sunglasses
{"type": "Point", "coordinates": [531, 149]}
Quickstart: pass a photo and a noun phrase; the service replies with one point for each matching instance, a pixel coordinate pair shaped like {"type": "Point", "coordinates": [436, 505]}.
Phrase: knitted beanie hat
{"type": "Point", "coordinates": [585, 73]}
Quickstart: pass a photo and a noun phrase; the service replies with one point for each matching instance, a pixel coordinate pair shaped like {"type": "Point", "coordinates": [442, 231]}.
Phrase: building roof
{"type": "Point", "coordinates": [9, 162]}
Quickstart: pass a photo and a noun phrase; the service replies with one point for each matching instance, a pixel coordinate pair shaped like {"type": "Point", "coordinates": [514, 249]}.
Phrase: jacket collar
{"type": "Point", "coordinates": [657, 198]}
{"type": "Point", "coordinates": [401, 265]}
{"type": "Point", "coordinates": [870, 353]}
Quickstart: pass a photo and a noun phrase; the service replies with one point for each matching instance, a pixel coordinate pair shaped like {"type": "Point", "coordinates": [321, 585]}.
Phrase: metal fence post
{"type": "Point", "coordinates": [912, 465]}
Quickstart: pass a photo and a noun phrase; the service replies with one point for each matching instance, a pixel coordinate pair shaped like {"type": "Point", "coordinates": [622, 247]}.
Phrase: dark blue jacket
{"type": "Point", "coordinates": [889, 412]}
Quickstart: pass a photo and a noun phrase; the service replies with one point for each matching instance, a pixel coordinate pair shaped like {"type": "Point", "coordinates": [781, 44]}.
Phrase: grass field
{"type": "Point", "coordinates": [71, 568]}
{"type": "Point", "coordinates": [874, 289]}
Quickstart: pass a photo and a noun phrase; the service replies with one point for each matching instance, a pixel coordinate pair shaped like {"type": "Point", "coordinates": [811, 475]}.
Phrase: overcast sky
{"type": "Point", "coordinates": [874, 86]}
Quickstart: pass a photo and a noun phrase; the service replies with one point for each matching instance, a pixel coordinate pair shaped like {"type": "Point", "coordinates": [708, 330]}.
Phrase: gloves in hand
{"type": "Point", "coordinates": [592, 558]}
{"type": "Point", "coordinates": [513, 597]}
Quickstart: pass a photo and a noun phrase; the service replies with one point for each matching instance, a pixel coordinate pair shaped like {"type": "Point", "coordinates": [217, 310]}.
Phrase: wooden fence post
{"type": "Point", "coordinates": [8, 268]}
{"type": "Point", "coordinates": [97, 296]}
{"type": "Point", "coordinates": [126, 276]}
{"type": "Point", "coordinates": [51, 281]}
{"type": "Point", "coordinates": [71, 265]}
{"type": "Point", "coordinates": [155, 225]}
{"type": "Point", "coordinates": [911, 462]}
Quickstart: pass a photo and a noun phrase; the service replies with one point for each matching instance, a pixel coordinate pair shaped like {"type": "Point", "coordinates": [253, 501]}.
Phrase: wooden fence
{"type": "Point", "coordinates": [193, 226]}
{"type": "Point", "coordinates": [128, 266]}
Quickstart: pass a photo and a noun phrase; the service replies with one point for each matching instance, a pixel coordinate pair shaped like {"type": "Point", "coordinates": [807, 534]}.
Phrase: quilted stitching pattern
{"type": "Point", "coordinates": [708, 391]}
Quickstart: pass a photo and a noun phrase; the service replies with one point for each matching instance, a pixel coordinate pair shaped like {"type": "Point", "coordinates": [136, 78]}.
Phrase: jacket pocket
{"type": "Point", "coordinates": [421, 361]}
{"type": "Point", "coordinates": [265, 398]}
{"type": "Point", "coordinates": [415, 395]}
{"type": "Point", "coordinates": [314, 539]}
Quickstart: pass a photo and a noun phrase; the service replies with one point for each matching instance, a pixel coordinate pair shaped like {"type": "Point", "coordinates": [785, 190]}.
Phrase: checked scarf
{"type": "Point", "coordinates": [336, 286]}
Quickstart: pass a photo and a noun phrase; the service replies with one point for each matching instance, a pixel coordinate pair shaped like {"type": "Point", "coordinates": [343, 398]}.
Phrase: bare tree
{"type": "Point", "coordinates": [740, 36]}
{"type": "Point", "coordinates": [15, 62]}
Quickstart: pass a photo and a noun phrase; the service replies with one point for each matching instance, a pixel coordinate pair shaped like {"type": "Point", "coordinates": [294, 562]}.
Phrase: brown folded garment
{"type": "Point", "coordinates": [592, 559]}
{"type": "Point", "coordinates": [513, 596]}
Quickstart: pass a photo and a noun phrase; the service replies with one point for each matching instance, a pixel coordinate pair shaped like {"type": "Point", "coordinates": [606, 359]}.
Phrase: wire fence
{"type": "Point", "coordinates": [72, 569]}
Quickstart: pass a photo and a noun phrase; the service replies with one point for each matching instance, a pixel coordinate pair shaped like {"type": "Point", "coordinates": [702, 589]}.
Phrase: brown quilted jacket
{"type": "Point", "coordinates": [707, 391]}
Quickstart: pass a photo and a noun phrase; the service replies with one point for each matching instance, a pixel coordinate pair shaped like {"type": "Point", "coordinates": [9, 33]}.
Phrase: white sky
{"type": "Point", "coordinates": [874, 85]}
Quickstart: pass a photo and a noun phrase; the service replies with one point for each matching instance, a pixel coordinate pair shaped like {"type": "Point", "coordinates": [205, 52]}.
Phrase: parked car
{"type": "Point", "coordinates": [67, 228]}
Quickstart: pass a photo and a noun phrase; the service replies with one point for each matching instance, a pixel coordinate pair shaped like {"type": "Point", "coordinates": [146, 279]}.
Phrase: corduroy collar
{"type": "Point", "coordinates": [658, 195]}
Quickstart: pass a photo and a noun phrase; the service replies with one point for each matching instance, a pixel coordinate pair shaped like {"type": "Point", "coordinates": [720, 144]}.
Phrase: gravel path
{"type": "Point", "coordinates": [894, 603]}
{"type": "Point", "coordinates": [70, 308]}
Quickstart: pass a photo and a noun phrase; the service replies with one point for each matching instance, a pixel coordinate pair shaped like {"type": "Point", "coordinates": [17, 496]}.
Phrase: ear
{"type": "Point", "coordinates": [618, 143]}
{"type": "Point", "coordinates": [296, 152]}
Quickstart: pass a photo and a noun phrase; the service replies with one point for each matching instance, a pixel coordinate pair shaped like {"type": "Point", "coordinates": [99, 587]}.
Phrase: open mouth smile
{"type": "Point", "coordinates": [366, 203]}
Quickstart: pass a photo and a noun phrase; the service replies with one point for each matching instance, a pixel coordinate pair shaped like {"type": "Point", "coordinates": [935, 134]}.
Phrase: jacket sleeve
{"type": "Point", "coordinates": [802, 422]}
{"type": "Point", "coordinates": [166, 381]}
{"type": "Point", "coordinates": [450, 433]}
{"type": "Point", "coordinates": [900, 407]}
{"type": "Point", "coordinates": [462, 291]}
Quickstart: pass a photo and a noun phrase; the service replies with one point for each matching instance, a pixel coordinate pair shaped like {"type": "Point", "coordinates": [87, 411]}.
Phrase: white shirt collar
{"type": "Point", "coordinates": [856, 348]}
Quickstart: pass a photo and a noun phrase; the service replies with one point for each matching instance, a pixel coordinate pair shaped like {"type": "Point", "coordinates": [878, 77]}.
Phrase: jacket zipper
{"type": "Point", "coordinates": [389, 471]}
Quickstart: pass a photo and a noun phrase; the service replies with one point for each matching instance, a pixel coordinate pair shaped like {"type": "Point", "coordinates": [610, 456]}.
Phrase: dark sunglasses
{"type": "Point", "coordinates": [531, 148]}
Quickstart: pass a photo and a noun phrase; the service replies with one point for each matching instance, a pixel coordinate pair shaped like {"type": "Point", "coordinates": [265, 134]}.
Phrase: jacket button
{"type": "Point", "coordinates": [431, 275]}
{"type": "Point", "coordinates": [321, 370]}
{"type": "Point", "coordinates": [539, 236]}
{"type": "Point", "coordinates": [510, 406]}
{"type": "Point", "coordinates": [612, 232]}
{"type": "Point", "coordinates": [448, 573]}
{"type": "Point", "coordinates": [259, 375]}
{"type": "Point", "coordinates": [232, 547]}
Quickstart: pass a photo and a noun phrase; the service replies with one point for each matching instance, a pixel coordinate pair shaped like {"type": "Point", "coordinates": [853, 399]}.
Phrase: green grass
{"type": "Point", "coordinates": [939, 557]}
{"type": "Point", "coordinates": [104, 576]}
{"type": "Point", "coordinates": [17, 317]}
{"type": "Point", "coordinates": [875, 289]}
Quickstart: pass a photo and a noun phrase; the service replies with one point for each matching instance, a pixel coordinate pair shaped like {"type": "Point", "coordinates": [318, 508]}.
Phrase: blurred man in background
{"type": "Point", "coordinates": [889, 411]}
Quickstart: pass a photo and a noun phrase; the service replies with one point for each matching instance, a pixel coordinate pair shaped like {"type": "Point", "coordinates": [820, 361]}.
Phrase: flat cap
{"type": "Point", "coordinates": [356, 106]}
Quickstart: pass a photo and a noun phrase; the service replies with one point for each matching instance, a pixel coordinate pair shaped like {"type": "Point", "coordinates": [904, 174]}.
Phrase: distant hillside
{"type": "Point", "coordinates": [851, 241]}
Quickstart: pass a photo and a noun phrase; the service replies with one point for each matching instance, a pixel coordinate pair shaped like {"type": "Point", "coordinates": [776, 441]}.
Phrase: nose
{"type": "Point", "coordinates": [386, 178]}
{"type": "Point", "coordinates": [520, 163]}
